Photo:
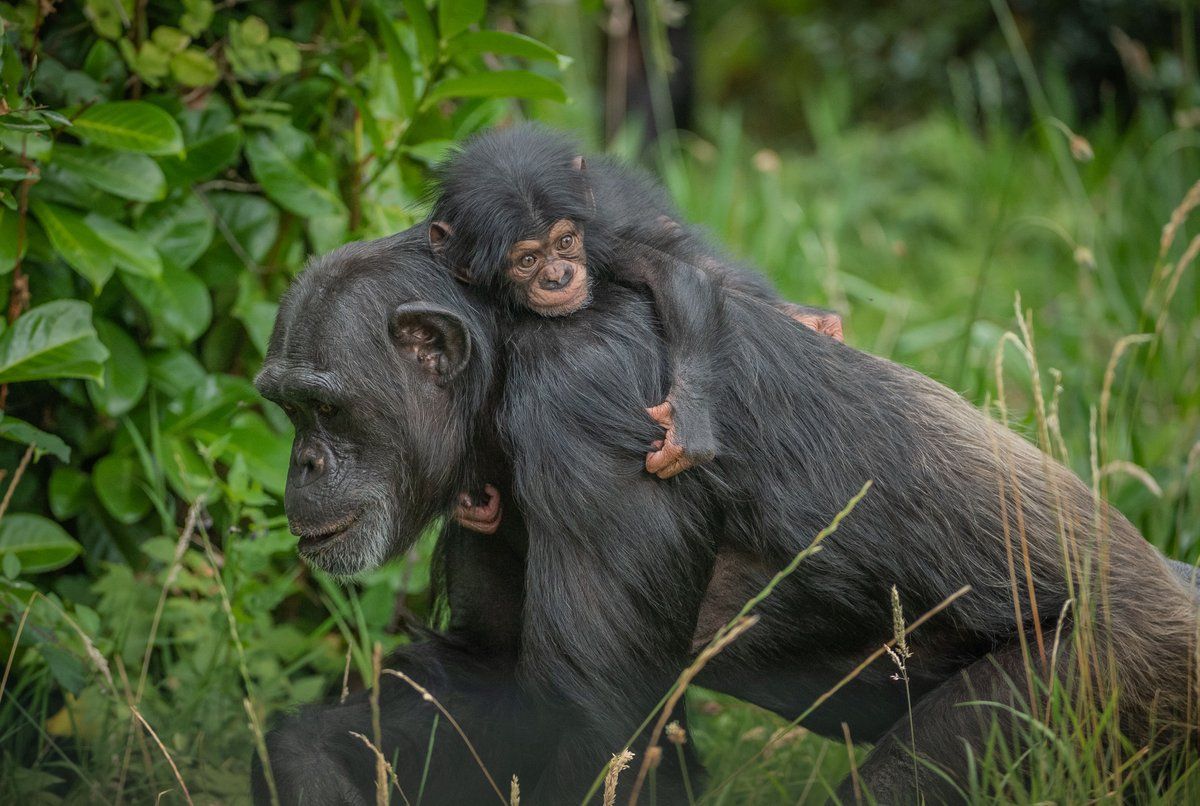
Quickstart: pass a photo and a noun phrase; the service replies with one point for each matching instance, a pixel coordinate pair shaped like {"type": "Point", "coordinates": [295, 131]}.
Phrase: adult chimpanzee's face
{"type": "Point", "coordinates": [380, 427]}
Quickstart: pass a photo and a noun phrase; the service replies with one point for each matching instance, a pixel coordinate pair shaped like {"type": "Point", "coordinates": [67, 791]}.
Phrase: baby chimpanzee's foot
{"type": "Point", "coordinates": [479, 511]}
{"type": "Point", "coordinates": [682, 447]}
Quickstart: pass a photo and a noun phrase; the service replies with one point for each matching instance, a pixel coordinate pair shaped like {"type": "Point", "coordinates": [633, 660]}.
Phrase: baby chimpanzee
{"type": "Point", "coordinates": [520, 213]}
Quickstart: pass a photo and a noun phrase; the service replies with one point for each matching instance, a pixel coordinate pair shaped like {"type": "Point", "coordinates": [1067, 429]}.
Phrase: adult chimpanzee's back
{"type": "Point", "coordinates": [580, 611]}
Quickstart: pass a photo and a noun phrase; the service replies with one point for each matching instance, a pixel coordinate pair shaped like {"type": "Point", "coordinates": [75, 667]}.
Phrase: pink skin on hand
{"type": "Point", "coordinates": [483, 518]}
{"type": "Point", "coordinates": [667, 458]}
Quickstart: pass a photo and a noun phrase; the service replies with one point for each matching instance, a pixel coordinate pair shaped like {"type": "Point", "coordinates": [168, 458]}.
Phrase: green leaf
{"type": "Point", "coordinates": [125, 375]}
{"type": "Point", "coordinates": [39, 543]}
{"type": "Point", "coordinates": [422, 24]}
{"type": "Point", "coordinates": [181, 230]}
{"type": "Point", "coordinates": [9, 240]}
{"type": "Point", "coordinates": [455, 16]}
{"type": "Point", "coordinates": [206, 157]}
{"type": "Point", "coordinates": [132, 252]}
{"type": "Point", "coordinates": [473, 43]}
{"type": "Point", "coordinates": [174, 372]}
{"type": "Point", "coordinates": [118, 486]}
{"type": "Point", "coordinates": [497, 84]}
{"type": "Point", "coordinates": [177, 301]}
{"type": "Point", "coordinates": [398, 58]}
{"type": "Point", "coordinates": [54, 340]}
{"type": "Point", "coordinates": [130, 126]}
{"type": "Point", "coordinates": [67, 491]}
{"type": "Point", "coordinates": [264, 451]}
{"type": "Point", "coordinates": [130, 176]}
{"type": "Point", "coordinates": [75, 242]}
{"type": "Point", "coordinates": [194, 68]}
{"type": "Point", "coordinates": [20, 431]}
{"type": "Point", "coordinates": [293, 173]}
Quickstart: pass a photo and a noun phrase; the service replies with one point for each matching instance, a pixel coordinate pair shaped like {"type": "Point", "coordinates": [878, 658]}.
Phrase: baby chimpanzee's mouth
{"type": "Point", "coordinates": [316, 538]}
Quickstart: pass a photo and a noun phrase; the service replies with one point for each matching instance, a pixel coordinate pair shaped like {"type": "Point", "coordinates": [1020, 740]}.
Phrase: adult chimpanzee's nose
{"type": "Point", "coordinates": [556, 276]}
{"type": "Point", "coordinates": [311, 463]}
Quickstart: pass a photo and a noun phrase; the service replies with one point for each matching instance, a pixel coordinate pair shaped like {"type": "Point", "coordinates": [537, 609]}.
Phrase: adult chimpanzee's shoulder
{"type": "Point", "coordinates": [628, 197]}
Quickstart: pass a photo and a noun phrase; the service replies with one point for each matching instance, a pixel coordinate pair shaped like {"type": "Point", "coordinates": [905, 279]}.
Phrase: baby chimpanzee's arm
{"type": "Point", "coordinates": [689, 306]}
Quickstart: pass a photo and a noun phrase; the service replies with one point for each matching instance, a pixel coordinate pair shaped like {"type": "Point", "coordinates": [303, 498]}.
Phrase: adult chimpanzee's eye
{"type": "Point", "coordinates": [528, 261]}
{"type": "Point", "coordinates": [565, 241]}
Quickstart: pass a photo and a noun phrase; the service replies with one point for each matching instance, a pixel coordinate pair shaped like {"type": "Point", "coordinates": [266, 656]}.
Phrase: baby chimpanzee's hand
{"type": "Point", "coordinates": [689, 439]}
{"type": "Point", "coordinates": [479, 511]}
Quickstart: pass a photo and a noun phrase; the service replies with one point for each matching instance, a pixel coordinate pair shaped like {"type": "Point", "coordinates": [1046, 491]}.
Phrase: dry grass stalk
{"type": "Point", "coordinates": [1191, 200]}
{"type": "Point", "coordinates": [619, 764]}
{"type": "Point", "coordinates": [854, 779]}
{"type": "Point", "coordinates": [429, 698]}
{"type": "Point", "coordinates": [381, 765]}
{"type": "Point", "coordinates": [835, 688]}
{"type": "Point", "coordinates": [377, 726]}
{"type": "Point", "coordinates": [900, 655]}
{"type": "Point", "coordinates": [1185, 261]}
{"type": "Point", "coordinates": [514, 792]}
{"type": "Point", "coordinates": [16, 479]}
{"type": "Point", "coordinates": [181, 544]}
{"type": "Point", "coordinates": [166, 754]}
{"type": "Point", "coordinates": [676, 734]}
{"type": "Point", "coordinates": [12, 653]}
{"type": "Point", "coordinates": [243, 669]}
{"type": "Point", "coordinates": [260, 747]}
{"type": "Point", "coordinates": [1005, 460]}
{"type": "Point", "coordinates": [807, 551]}
{"type": "Point", "coordinates": [1130, 469]}
{"type": "Point", "coordinates": [185, 538]}
{"type": "Point", "coordinates": [346, 676]}
{"type": "Point", "coordinates": [726, 636]}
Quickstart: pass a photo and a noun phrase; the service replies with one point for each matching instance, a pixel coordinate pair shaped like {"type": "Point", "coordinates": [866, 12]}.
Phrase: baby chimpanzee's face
{"type": "Point", "coordinates": [550, 273]}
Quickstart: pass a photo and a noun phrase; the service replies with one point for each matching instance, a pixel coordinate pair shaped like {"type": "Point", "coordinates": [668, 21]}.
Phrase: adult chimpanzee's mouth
{"type": "Point", "coordinates": [315, 539]}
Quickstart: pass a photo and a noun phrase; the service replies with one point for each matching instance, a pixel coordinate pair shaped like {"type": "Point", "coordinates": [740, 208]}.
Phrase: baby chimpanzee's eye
{"type": "Point", "coordinates": [326, 409]}
{"type": "Point", "coordinates": [528, 261]}
{"type": "Point", "coordinates": [565, 241]}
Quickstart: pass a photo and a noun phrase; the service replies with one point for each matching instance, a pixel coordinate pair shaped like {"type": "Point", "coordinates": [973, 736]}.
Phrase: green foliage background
{"type": "Point", "coordinates": [166, 168]}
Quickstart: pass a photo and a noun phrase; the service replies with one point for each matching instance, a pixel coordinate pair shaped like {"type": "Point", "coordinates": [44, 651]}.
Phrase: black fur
{"type": "Point", "coordinates": [577, 615]}
{"type": "Point", "coordinates": [507, 185]}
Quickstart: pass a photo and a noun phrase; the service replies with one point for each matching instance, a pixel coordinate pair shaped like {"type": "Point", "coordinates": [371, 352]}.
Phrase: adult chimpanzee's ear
{"type": "Point", "coordinates": [435, 339]}
{"type": "Point", "coordinates": [579, 163]}
{"type": "Point", "coordinates": [439, 232]}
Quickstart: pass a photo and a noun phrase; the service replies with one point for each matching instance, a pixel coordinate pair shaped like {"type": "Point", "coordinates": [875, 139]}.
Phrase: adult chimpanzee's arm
{"type": "Point", "coordinates": [617, 560]}
{"type": "Point", "coordinates": [471, 670]}
{"type": "Point", "coordinates": [689, 306]}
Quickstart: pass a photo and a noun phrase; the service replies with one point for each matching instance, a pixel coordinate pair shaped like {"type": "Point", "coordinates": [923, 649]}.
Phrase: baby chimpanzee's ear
{"type": "Point", "coordinates": [579, 163]}
{"type": "Point", "coordinates": [439, 233]}
{"type": "Point", "coordinates": [434, 338]}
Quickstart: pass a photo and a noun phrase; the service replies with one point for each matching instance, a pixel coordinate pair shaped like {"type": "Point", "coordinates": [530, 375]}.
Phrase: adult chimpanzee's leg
{"type": "Point", "coordinates": [314, 758]}
{"type": "Point", "coordinates": [946, 730]}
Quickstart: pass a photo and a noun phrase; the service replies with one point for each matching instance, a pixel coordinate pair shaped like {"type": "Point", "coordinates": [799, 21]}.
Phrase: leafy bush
{"type": "Point", "coordinates": [165, 169]}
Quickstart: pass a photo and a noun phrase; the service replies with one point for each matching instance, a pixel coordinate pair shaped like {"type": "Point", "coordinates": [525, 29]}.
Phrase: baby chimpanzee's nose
{"type": "Point", "coordinates": [556, 277]}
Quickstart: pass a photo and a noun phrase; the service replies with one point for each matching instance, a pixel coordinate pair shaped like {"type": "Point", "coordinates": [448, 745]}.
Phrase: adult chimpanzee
{"type": "Point", "coordinates": [568, 624]}
{"type": "Point", "coordinates": [522, 214]}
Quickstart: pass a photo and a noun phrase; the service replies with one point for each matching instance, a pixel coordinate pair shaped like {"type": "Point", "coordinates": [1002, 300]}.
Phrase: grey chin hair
{"type": "Point", "coordinates": [368, 546]}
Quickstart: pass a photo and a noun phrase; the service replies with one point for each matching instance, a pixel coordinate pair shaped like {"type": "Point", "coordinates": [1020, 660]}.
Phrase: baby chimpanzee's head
{"type": "Point", "coordinates": [512, 213]}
